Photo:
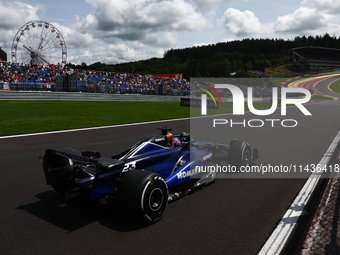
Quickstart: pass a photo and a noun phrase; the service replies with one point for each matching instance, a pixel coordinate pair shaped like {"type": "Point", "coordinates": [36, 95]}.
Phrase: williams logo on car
{"type": "Point", "coordinates": [188, 173]}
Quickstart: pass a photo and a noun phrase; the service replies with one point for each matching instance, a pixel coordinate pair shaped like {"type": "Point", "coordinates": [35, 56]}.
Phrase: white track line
{"type": "Point", "coordinates": [280, 235]}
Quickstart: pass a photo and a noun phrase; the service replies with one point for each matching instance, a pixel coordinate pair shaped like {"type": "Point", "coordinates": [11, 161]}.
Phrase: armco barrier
{"type": "Point", "coordinates": [74, 96]}
{"type": "Point", "coordinates": [29, 95]}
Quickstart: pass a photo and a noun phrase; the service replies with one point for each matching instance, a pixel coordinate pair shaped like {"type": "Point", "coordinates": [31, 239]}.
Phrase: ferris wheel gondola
{"type": "Point", "coordinates": [39, 43]}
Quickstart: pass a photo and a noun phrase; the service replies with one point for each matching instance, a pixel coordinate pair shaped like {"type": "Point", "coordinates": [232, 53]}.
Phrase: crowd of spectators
{"type": "Point", "coordinates": [280, 72]}
{"type": "Point", "coordinates": [283, 71]}
{"type": "Point", "coordinates": [111, 82]}
{"type": "Point", "coordinates": [12, 73]}
{"type": "Point", "coordinates": [131, 83]}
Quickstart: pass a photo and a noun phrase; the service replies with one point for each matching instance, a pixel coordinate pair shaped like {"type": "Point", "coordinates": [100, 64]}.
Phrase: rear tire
{"type": "Point", "coordinates": [143, 195]}
{"type": "Point", "coordinates": [239, 154]}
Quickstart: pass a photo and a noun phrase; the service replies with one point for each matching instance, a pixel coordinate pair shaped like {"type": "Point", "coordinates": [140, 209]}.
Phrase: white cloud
{"type": "Point", "coordinates": [209, 7]}
{"type": "Point", "coordinates": [114, 31]}
{"type": "Point", "coordinates": [74, 39]}
{"type": "Point", "coordinates": [244, 23]}
{"type": "Point", "coordinates": [14, 14]}
{"type": "Point", "coordinates": [126, 30]}
{"type": "Point", "coordinates": [114, 53]}
{"type": "Point", "coordinates": [134, 19]}
{"type": "Point", "coordinates": [303, 20]}
{"type": "Point", "coordinates": [329, 6]}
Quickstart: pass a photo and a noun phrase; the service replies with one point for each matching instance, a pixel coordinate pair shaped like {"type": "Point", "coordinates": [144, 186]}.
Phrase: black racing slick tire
{"type": "Point", "coordinates": [143, 195]}
{"type": "Point", "coordinates": [239, 154]}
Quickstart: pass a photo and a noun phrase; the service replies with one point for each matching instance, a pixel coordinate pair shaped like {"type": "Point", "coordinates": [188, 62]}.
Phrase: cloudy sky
{"type": "Point", "coordinates": [115, 31]}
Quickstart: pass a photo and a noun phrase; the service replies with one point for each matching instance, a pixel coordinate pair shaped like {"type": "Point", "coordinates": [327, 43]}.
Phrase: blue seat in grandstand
{"type": "Point", "coordinates": [94, 79]}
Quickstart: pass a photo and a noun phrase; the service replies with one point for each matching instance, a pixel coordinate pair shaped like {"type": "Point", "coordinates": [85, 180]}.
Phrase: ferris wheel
{"type": "Point", "coordinates": [39, 43]}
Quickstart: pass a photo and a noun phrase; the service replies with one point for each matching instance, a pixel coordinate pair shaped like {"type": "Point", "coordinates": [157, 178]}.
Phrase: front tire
{"type": "Point", "coordinates": [143, 195]}
{"type": "Point", "coordinates": [239, 154]}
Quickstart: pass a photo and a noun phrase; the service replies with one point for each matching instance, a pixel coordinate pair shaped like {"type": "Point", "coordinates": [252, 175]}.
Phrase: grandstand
{"type": "Point", "coordinates": [314, 58]}
{"type": "Point", "coordinates": [61, 78]}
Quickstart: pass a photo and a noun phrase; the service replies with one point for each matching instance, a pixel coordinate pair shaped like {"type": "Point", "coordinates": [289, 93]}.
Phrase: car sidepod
{"type": "Point", "coordinates": [194, 168]}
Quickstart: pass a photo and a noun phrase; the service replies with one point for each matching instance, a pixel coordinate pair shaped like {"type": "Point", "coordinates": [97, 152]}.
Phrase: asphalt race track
{"type": "Point", "coordinates": [232, 216]}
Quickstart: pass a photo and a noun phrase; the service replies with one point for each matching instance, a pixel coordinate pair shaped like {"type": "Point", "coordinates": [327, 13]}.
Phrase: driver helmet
{"type": "Point", "coordinates": [169, 137]}
{"type": "Point", "coordinates": [176, 142]}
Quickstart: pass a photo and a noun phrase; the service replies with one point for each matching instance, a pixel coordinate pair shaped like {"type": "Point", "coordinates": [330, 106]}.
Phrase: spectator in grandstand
{"type": "Point", "coordinates": [116, 82]}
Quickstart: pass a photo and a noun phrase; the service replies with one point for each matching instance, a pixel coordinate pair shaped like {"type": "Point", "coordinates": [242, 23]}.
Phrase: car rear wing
{"type": "Point", "coordinates": [59, 167]}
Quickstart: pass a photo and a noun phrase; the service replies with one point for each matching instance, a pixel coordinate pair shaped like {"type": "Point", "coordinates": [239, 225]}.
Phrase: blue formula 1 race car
{"type": "Point", "coordinates": [143, 179]}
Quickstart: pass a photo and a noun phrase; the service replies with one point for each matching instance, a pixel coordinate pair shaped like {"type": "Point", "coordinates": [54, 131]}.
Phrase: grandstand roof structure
{"type": "Point", "coordinates": [3, 55]}
{"type": "Point", "coordinates": [314, 57]}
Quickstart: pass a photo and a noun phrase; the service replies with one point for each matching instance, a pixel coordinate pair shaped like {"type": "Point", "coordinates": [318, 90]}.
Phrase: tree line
{"type": "Point", "coordinates": [220, 59]}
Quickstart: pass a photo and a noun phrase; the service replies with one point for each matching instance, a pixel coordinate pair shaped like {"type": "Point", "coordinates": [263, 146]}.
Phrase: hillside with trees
{"type": "Point", "coordinates": [221, 59]}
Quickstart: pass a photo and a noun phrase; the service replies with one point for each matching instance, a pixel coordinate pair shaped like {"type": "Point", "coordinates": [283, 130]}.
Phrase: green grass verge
{"type": "Point", "coordinates": [335, 86]}
{"type": "Point", "coordinates": [321, 98]}
{"type": "Point", "coordinates": [227, 107]}
{"type": "Point", "coordinates": [21, 117]}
